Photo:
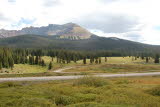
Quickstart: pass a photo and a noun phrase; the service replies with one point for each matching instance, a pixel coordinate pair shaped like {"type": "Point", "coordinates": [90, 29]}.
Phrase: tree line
{"type": "Point", "coordinates": [9, 57]}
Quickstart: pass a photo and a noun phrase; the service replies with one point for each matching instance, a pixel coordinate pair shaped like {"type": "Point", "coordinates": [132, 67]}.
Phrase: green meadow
{"type": "Point", "coordinates": [113, 65]}
{"type": "Point", "coordinates": [84, 92]}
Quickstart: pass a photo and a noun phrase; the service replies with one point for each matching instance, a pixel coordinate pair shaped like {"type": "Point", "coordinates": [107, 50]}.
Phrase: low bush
{"type": "Point", "coordinates": [10, 84]}
{"type": "Point", "coordinates": [33, 102]}
{"type": "Point", "coordinates": [94, 104]}
{"type": "Point", "coordinates": [63, 100]}
{"type": "Point", "coordinates": [155, 91]}
{"type": "Point", "coordinates": [85, 97]}
{"type": "Point", "coordinates": [91, 81]}
{"type": "Point", "coordinates": [123, 82]}
{"type": "Point", "coordinates": [88, 104]}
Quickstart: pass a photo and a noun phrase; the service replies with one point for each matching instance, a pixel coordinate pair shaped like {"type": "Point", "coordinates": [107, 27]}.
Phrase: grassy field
{"type": "Point", "coordinates": [113, 65]}
{"type": "Point", "coordinates": [85, 92]}
{"type": "Point", "coordinates": [116, 68]}
{"type": "Point", "coordinates": [26, 68]}
{"type": "Point", "coordinates": [119, 65]}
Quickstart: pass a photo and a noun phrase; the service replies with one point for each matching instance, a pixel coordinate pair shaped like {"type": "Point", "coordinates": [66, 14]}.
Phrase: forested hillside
{"type": "Point", "coordinates": [94, 43]}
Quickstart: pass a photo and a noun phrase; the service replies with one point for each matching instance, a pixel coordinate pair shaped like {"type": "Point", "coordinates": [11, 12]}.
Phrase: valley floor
{"type": "Point", "coordinates": [84, 92]}
{"type": "Point", "coordinates": [89, 91]}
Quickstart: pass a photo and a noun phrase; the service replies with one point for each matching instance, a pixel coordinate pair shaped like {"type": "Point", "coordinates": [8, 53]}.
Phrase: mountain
{"type": "Point", "coordinates": [68, 36]}
{"type": "Point", "coordinates": [93, 43]}
{"type": "Point", "coordinates": [69, 30]}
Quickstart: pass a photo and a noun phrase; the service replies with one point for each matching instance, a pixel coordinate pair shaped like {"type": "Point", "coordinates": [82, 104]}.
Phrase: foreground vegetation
{"type": "Point", "coordinates": [85, 92]}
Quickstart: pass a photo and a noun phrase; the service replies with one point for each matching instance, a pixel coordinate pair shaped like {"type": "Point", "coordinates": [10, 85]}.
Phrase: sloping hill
{"type": "Point", "coordinates": [93, 43]}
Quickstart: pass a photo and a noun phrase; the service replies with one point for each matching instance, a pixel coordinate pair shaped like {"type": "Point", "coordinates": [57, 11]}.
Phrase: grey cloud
{"type": "Point", "coordinates": [50, 3]}
{"type": "Point", "coordinates": [108, 23]}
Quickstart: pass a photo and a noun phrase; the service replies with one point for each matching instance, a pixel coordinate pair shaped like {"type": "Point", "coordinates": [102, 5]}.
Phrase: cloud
{"type": "Point", "coordinates": [12, 1]}
{"type": "Point", "coordinates": [132, 35]}
{"type": "Point", "coordinates": [130, 19]}
{"type": "Point", "coordinates": [3, 18]}
{"type": "Point", "coordinates": [26, 21]}
{"type": "Point", "coordinates": [107, 1]}
{"type": "Point", "coordinates": [109, 23]}
{"type": "Point", "coordinates": [23, 22]}
{"type": "Point", "coordinates": [135, 36]}
{"type": "Point", "coordinates": [50, 3]}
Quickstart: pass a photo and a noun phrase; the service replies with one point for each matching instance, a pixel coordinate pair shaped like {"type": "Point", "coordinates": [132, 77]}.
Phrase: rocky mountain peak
{"type": "Point", "coordinates": [69, 30]}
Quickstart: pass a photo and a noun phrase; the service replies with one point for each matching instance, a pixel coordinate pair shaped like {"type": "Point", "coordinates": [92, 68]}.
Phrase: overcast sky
{"type": "Point", "coordinates": [137, 20]}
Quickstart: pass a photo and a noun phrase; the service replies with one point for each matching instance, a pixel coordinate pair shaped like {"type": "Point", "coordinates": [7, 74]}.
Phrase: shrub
{"type": "Point", "coordinates": [91, 81]}
{"type": "Point", "coordinates": [64, 100]}
{"type": "Point", "coordinates": [155, 91]}
{"type": "Point", "coordinates": [32, 102]}
{"type": "Point", "coordinates": [94, 104]}
{"type": "Point", "coordinates": [123, 82]}
{"type": "Point", "coordinates": [88, 104]}
{"type": "Point", "coordinates": [10, 84]}
{"type": "Point", "coordinates": [85, 97]}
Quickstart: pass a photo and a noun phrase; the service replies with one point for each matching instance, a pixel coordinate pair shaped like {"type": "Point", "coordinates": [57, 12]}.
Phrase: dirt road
{"type": "Point", "coordinates": [76, 77]}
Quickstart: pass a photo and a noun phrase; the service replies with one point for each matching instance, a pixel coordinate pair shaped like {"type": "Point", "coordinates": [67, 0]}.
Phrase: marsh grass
{"type": "Point", "coordinates": [91, 81]}
{"type": "Point", "coordinates": [84, 92]}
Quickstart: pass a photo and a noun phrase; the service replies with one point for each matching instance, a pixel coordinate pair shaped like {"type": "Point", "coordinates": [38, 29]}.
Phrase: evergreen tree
{"type": "Point", "coordinates": [135, 58]}
{"type": "Point", "coordinates": [142, 56]}
{"type": "Point", "coordinates": [156, 58]}
{"type": "Point", "coordinates": [91, 60]}
{"type": "Point", "coordinates": [26, 60]}
{"type": "Point", "coordinates": [43, 63]}
{"type": "Point", "coordinates": [22, 60]}
{"type": "Point", "coordinates": [57, 60]}
{"type": "Point", "coordinates": [74, 59]}
{"type": "Point", "coordinates": [50, 66]}
{"type": "Point", "coordinates": [96, 61]}
{"type": "Point", "coordinates": [33, 60]}
{"type": "Point", "coordinates": [84, 60]}
{"type": "Point", "coordinates": [6, 63]}
{"type": "Point", "coordinates": [99, 60]}
{"type": "Point", "coordinates": [63, 61]}
{"type": "Point", "coordinates": [30, 60]}
{"type": "Point", "coordinates": [0, 65]}
{"type": "Point", "coordinates": [36, 60]}
{"type": "Point", "coordinates": [105, 59]}
{"type": "Point", "coordinates": [11, 63]}
{"type": "Point", "coordinates": [147, 59]}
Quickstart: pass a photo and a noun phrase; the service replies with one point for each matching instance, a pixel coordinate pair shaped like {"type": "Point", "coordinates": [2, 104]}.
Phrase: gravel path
{"type": "Point", "coordinates": [75, 77]}
{"type": "Point", "coordinates": [63, 69]}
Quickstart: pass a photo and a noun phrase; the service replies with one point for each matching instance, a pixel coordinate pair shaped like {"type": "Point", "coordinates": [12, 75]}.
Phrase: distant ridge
{"type": "Point", "coordinates": [69, 30]}
{"type": "Point", "coordinates": [93, 43]}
